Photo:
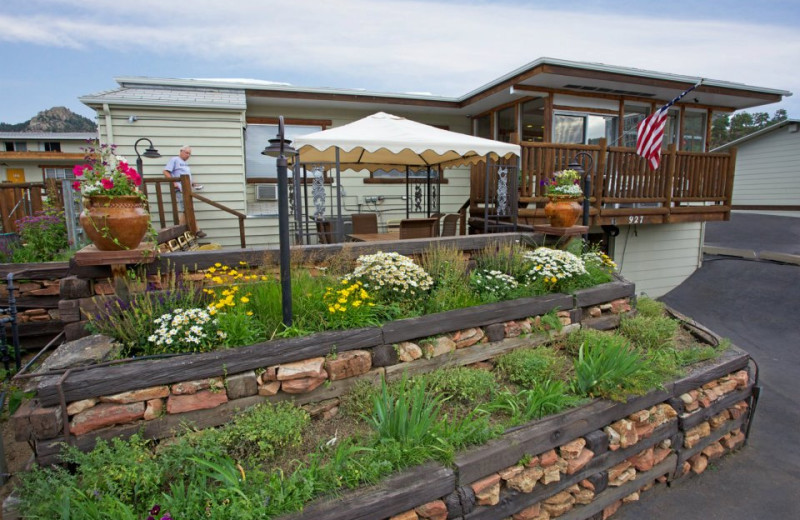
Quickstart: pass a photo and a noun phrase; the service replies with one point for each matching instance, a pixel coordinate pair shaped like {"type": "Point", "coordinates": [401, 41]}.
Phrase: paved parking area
{"type": "Point", "coordinates": [757, 305]}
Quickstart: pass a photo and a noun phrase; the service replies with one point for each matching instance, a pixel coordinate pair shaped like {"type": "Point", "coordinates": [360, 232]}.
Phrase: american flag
{"type": "Point", "coordinates": [651, 131]}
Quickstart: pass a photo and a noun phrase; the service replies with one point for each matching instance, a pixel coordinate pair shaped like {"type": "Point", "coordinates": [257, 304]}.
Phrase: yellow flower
{"type": "Point", "coordinates": [244, 299]}
{"type": "Point", "coordinates": [218, 264]}
{"type": "Point", "coordinates": [344, 282]}
{"type": "Point", "coordinates": [242, 262]}
{"type": "Point", "coordinates": [249, 313]}
{"type": "Point", "coordinates": [216, 279]}
{"type": "Point", "coordinates": [357, 303]}
{"type": "Point", "coordinates": [342, 300]}
{"type": "Point", "coordinates": [208, 275]}
{"type": "Point", "coordinates": [331, 310]}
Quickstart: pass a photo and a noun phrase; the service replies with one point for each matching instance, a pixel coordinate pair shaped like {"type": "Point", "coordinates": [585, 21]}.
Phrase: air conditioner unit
{"type": "Point", "coordinates": [266, 192]}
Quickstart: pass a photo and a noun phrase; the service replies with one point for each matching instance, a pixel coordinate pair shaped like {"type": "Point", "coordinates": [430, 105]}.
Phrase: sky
{"type": "Point", "coordinates": [55, 51]}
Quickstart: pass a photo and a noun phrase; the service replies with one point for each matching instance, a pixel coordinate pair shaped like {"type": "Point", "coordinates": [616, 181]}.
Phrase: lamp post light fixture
{"type": "Point", "coordinates": [574, 164]}
{"type": "Point", "coordinates": [150, 153]}
{"type": "Point", "coordinates": [279, 147]}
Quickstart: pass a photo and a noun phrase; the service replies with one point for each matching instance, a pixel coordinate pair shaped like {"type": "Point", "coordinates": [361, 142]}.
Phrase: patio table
{"type": "Point", "coordinates": [375, 237]}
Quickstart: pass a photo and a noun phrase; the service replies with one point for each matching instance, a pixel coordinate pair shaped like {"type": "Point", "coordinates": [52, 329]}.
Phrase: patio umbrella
{"type": "Point", "coordinates": [383, 139]}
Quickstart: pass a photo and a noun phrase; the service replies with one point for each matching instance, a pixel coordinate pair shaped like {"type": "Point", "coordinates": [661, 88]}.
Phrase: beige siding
{"type": "Point", "coordinates": [658, 258]}
{"type": "Point", "coordinates": [768, 171]}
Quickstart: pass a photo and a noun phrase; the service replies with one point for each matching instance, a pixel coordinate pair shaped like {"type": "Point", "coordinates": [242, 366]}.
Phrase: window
{"type": "Point", "coordinates": [507, 125]}
{"type": "Point", "coordinates": [483, 127]}
{"type": "Point", "coordinates": [257, 138]}
{"type": "Point", "coordinates": [59, 173]}
{"type": "Point", "coordinates": [634, 114]}
{"type": "Point", "coordinates": [671, 128]}
{"type": "Point", "coordinates": [584, 128]}
{"type": "Point", "coordinates": [694, 131]}
{"type": "Point", "coordinates": [16, 146]}
{"type": "Point", "coordinates": [533, 121]}
{"type": "Point", "coordinates": [52, 146]}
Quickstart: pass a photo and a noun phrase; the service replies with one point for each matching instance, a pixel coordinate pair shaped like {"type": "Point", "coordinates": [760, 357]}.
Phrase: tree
{"type": "Point", "coordinates": [725, 129]}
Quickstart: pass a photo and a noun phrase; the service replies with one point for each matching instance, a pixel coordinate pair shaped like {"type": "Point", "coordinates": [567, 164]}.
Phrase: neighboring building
{"type": "Point", "coordinates": [552, 108]}
{"type": "Point", "coordinates": [36, 156]}
{"type": "Point", "coordinates": [768, 170]}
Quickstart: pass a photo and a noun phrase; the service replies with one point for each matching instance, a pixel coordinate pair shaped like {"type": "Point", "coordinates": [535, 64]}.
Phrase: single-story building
{"type": "Point", "coordinates": [552, 108]}
{"type": "Point", "coordinates": [37, 156]}
{"type": "Point", "coordinates": [768, 170]}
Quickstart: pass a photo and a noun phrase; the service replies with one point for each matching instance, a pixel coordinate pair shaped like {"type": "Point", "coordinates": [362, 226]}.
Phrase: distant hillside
{"type": "Point", "coordinates": [56, 119]}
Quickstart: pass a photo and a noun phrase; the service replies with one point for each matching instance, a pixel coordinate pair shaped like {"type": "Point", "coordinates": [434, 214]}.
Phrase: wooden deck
{"type": "Point", "coordinates": [687, 186]}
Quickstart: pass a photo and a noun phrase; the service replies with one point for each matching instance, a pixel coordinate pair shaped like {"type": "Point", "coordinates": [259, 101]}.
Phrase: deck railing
{"type": "Point", "coordinates": [687, 186]}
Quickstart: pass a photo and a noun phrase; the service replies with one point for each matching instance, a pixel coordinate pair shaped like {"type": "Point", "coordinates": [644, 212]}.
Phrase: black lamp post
{"type": "Point", "coordinates": [574, 164]}
{"type": "Point", "coordinates": [278, 148]}
{"type": "Point", "coordinates": [150, 153]}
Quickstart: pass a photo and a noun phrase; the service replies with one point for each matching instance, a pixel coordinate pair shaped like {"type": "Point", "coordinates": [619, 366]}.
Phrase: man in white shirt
{"type": "Point", "coordinates": [175, 168]}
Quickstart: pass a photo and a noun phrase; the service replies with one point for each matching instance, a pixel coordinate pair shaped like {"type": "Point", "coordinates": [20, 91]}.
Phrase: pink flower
{"type": "Point", "coordinates": [107, 183]}
{"type": "Point", "coordinates": [78, 169]}
{"type": "Point", "coordinates": [76, 185]}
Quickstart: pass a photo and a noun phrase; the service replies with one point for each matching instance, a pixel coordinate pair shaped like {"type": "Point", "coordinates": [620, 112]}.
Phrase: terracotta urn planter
{"type": "Point", "coordinates": [563, 212]}
{"type": "Point", "coordinates": [115, 223]}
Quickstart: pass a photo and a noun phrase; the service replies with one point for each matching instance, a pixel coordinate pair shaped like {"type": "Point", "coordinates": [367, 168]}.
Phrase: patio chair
{"type": "Point", "coordinates": [450, 225]}
{"type": "Point", "coordinates": [365, 223]}
{"type": "Point", "coordinates": [417, 227]}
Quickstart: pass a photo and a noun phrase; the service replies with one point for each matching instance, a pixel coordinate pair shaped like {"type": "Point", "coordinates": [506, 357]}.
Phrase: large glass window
{"type": "Point", "coordinates": [671, 128]}
{"type": "Point", "coordinates": [256, 138]}
{"type": "Point", "coordinates": [533, 121]}
{"type": "Point", "coordinates": [584, 129]}
{"type": "Point", "coordinates": [483, 127]}
{"type": "Point", "coordinates": [507, 125]}
{"type": "Point", "coordinates": [694, 131]}
{"type": "Point", "coordinates": [634, 114]}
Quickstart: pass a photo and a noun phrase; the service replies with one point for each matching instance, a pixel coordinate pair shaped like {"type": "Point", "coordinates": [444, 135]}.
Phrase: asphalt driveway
{"type": "Point", "coordinates": [757, 305]}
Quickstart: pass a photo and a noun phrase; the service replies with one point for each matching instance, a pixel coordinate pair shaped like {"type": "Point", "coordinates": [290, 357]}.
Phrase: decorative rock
{"type": "Point", "coordinates": [620, 306]}
{"type": "Point", "coordinates": [643, 461]}
{"type": "Point", "coordinates": [611, 509]}
{"type": "Point", "coordinates": [699, 463]}
{"type": "Point", "coordinates": [526, 325]}
{"type": "Point", "coordinates": [559, 503]}
{"type": "Point", "coordinates": [719, 419]}
{"type": "Point", "coordinates": [79, 406]}
{"type": "Point", "coordinates": [435, 510]}
{"type": "Point", "coordinates": [526, 480]}
{"type": "Point", "coordinates": [320, 407]}
{"type": "Point", "coordinates": [307, 368]}
{"type": "Point", "coordinates": [348, 364]}
{"type": "Point", "coordinates": [741, 378]}
{"type": "Point", "coordinates": [617, 470]}
{"type": "Point", "coordinates": [511, 472]}
{"type": "Point", "coordinates": [467, 337]}
{"type": "Point", "coordinates": [548, 458]}
{"type": "Point", "coordinates": [529, 513]}
{"type": "Point", "coordinates": [192, 387]}
{"type": "Point", "coordinates": [551, 474]}
{"type": "Point", "coordinates": [572, 449]}
{"type": "Point", "coordinates": [439, 347]}
{"type": "Point", "coordinates": [144, 394]}
{"type": "Point", "coordinates": [384, 356]}
{"type": "Point", "coordinates": [633, 497]}
{"type": "Point", "coordinates": [202, 400]}
{"type": "Point", "coordinates": [659, 454]}
{"type": "Point", "coordinates": [576, 464]}
{"type": "Point", "coordinates": [84, 351]}
{"type": "Point", "coordinates": [583, 496]}
{"type": "Point", "coordinates": [407, 515]}
{"type": "Point", "coordinates": [269, 374]}
{"type": "Point", "coordinates": [330, 414]}
{"type": "Point", "coordinates": [713, 451]}
{"type": "Point", "coordinates": [302, 386]}
{"type": "Point", "coordinates": [694, 435]}
{"type": "Point", "coordinates": [626, 431]}
{"type": "Point", "coordinates": [105, 414]}
{"type": "Point", "coordinates": [269, 389]}
{"type": "Point", "coordinates": [487, 490]}
{"type": "Point", "coordinates": [595, 311]}
{"type": "Point", "coordinates": [512, 329]}
{"type": "Point", "coordinates": [154, 409]}
{"type": "Point", "coordinates": [241, 385]}
{"type": "Point", "coordinates": [407, 351]}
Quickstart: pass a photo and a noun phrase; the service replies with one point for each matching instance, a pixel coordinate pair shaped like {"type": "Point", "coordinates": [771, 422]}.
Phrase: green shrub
{"type": "Point", "coordinates": [264, 431]}
{"type": "Point", "coordinates": [43, 237]}
{"type": "Point", "coordinates": [649, 333]}
{"type": "Point", "coordinates": [547, 397]}
{"type": "Point", "coordinates": [407, 414]}
{"type": "Point", "coordinates": [649, 308]}
{"type": "Point", "coordinates": [606, 367]}
{"type": "Point", "coordinates": [468, 385]}
{"type": "Point", "coordinates": [531, 366]}
{"type": "Point", "coordinates": [505, 257]}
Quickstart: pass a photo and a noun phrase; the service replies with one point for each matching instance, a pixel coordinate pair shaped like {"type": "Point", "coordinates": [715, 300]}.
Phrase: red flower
{"type": "Point", "coordinates": [76, 185]}
{"type": "Point", "coordinates": [107, 183]}
{"type": "Point", "coordinates": [78, 169]}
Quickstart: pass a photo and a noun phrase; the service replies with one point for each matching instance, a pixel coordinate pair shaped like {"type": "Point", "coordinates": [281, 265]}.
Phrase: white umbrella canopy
{"type": "Point", "coordinates": [382, 140]}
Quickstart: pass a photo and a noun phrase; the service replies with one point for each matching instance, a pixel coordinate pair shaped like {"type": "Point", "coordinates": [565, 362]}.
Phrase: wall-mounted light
{"type": "Point", "coordinates": [132, 119]}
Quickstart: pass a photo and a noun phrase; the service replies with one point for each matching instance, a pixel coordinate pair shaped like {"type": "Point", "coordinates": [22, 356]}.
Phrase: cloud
{"type": "Point", "coordinates": [404, 45]}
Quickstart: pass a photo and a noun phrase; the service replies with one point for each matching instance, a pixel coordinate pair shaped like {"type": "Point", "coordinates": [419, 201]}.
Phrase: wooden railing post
{"type": "Point", "coordinates": [598, 174]}
{"type": "Point", "coordinates": [729, 182]}
{"type": "Point", "coordinates": [188, 203]}
{"type": "Point", "coordinates": [672, 160]}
